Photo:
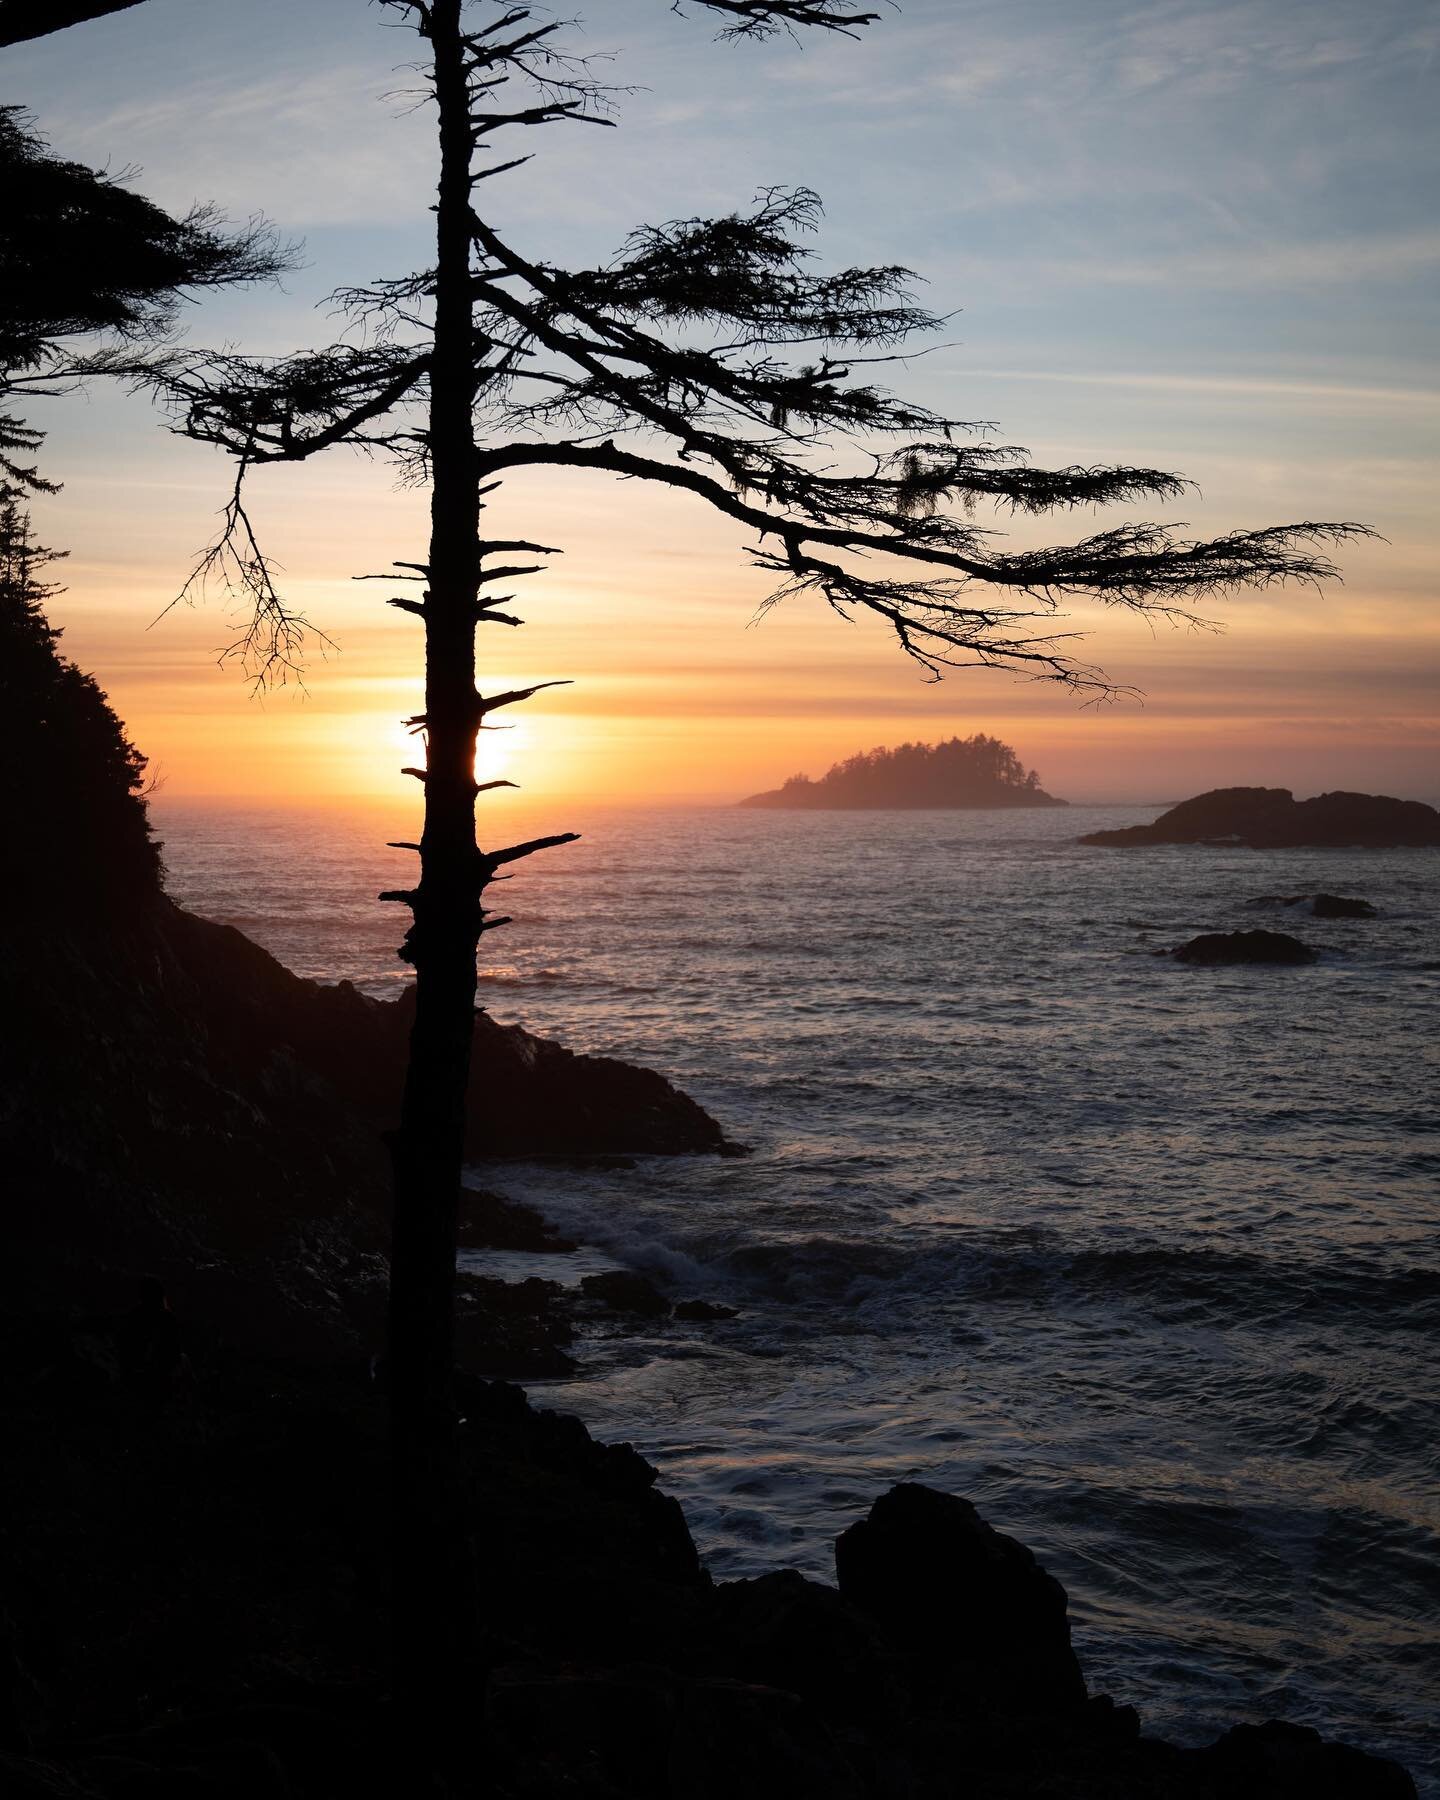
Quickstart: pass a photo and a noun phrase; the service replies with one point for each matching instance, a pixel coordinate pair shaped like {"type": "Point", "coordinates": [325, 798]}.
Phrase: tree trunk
{"type": "Point", "coordinates": [434, 1622]}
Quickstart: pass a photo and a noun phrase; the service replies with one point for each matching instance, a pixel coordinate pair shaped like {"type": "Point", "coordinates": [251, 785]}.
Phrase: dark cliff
{"type": "Point", "coordinates": [172, 1098]}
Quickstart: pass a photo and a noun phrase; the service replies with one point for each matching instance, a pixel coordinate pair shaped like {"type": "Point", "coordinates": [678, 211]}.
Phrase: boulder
{"type": "Point", "coordinates": [735, 1738]}
{"type": "Point", "coordinates": [1278, 1761]}
{"type": "Point", "coordinates": [512, 1330]}
{"type": "Point", "coordinates": [704, 1310]}
{"type": "Point", "coordinates": [1321, 906]}
{"type": "Point", "coordinates": [1212, 948]}
{"type": "Point", "coordinates": [491, 1222]}
{"type": "Point", "coordinates": [962, 1598]}
{"type": "Point", "coordinates": [783, 1630]}
{"type": "Point", "coordinates": [617, 1723]}
{"type": "Point", "coordinates": [625, 1292]}
{"type": "Point", "coordinates": [1273, 819]}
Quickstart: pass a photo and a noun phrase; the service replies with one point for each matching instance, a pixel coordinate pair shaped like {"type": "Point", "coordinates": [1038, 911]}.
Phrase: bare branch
{"type": "Point", "coordinates": [271, 638]}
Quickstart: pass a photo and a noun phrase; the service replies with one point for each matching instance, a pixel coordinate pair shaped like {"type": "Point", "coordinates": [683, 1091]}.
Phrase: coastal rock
{"type": "Point", "coordinates": [1321, 906]}
{"type": "Point", "coordinates": [215, 1656]}
{"type": "Point", "coordinates": [174, 1100]}
{"type": "Point", "coordinates": [491, 1222]}
{"type": "Point", "coordinates": [704, 1310]}
{"type": "Point", "coordinates": [512, 1331]}
{"type": "Point", "coordinates": [617, 1725]}
{"type": "Point", "coordinates": [1273, 819]}
{"type": "Point", "coordinates": [1213, 948]}
{"type": "Point", "coordinates": [957, 1594]}
{"type": "Point", "coordinates": [785, 1631]}
{"type": "Point", "coordinates": [625, 1292]}
{"type": "Point", "coordinates": [738, 1738]}
{"type": "Point", "coordinates": [1277, 1761]}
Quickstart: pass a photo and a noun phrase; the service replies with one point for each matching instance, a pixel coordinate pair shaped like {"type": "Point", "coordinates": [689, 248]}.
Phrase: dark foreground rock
{"type": "Point", "coordinates": [622, 1291]}
{"type": "Point", "coordinates": [492, 1222]}
{"type": "Point", "coordinates": [1273, 819]}
{"type": "Point", "coordinates": [704, 1310]}
{"type": "Point", "coordinates": [1320, 906]}
{"type": "Point", "coordinates": [1216, 947]}
{"type": "Point", "coordinates": [963, 1600]}
{"type": "Point", "coordinates": [193, 1591]}
{"type": "Point", "coordinates": [173, 1099]}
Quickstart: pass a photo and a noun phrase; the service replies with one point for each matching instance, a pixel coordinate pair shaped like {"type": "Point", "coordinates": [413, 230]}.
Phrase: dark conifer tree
{"type": "Point", "coordinates": [84, 260]}
{"type": "Point", "coordinates": [75, 812]}
{"type": "Point", "coordinates": [21, 20]}
{"type": "Point", "coordinates": [709, 356]}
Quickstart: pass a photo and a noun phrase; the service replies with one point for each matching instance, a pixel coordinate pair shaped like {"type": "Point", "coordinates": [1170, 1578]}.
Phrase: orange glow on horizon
{"type": "Point", "coordinates": [676, 698]}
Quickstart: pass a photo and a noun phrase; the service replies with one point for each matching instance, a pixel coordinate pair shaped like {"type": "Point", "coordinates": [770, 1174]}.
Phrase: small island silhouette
{"type": "Point", "coordinates": [975, 771]}
{"type": "Point", "coordinates": [1273, 819]}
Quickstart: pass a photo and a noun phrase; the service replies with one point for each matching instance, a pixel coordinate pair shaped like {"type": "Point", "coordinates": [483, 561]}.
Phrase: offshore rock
{"type": "Point", "coordinates": [1321, 906]}
{"type": "Point", "coordinates": [1214, 948]}
{"type": "Point", "coordinates": [622, 1291]}
{"type": "Point", "coordinates": [1273, 819]}
{"type": "Point", "coordinates": [961, 1597]}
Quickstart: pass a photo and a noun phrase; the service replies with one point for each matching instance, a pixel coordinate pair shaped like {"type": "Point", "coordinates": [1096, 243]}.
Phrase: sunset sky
{"type": "Point", "coordinates": [1187, 234]}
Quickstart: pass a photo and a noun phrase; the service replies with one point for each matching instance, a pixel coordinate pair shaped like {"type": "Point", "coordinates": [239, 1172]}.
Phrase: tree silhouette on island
{"type": "Point", "coordinates": [977, 771]}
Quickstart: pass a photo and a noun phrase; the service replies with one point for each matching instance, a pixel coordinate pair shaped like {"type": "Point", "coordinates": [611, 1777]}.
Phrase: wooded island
{"type": "Point", "coordinates": [973, 771]}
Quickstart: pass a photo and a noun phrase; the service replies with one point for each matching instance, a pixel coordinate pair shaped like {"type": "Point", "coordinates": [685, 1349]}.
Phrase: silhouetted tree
{"type": "Point", "coordinates": [75, 808]}
{"type": "Point", "coordinates": [710, 357]}
{"type": "Point", "coordinates": [973, 771]}
{"type": "Point", "coordinates": [21, 20]}
{"type": "Point", "coordinates": [83, 257]}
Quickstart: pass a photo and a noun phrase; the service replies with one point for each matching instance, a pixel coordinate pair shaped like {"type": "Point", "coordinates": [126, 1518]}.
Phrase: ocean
{"type": "Point", "coordinates": [1140, 1258]}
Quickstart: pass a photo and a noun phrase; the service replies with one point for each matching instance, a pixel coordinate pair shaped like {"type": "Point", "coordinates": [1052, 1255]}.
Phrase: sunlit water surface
{"type": "Point", "coordinates": [1139, 1258]}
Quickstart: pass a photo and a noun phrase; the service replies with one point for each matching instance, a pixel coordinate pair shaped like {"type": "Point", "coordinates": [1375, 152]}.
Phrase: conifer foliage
{"type": "Point", "coordinates": [77, 804]}
{"type": "Point", "coordinates": [974, 771]}
{"type": "Point", "coordinates": [81, 256]}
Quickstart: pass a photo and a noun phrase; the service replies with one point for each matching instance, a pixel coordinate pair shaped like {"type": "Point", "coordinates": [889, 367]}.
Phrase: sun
{"type": "Point", "coordinates": [499, 750]}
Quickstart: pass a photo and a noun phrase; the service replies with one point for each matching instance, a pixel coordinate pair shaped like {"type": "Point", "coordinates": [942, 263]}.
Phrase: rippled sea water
{"type": "Point", "coordinates": [1140, 1258]}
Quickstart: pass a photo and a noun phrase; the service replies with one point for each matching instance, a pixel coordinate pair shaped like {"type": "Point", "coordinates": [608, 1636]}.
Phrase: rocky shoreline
{"type": "Point", "coordinates": [193, 1582]}
{"type": "Point", "coordinates": [173, 1100]}
{"type": "Point", "coordinates": [203, 1616]}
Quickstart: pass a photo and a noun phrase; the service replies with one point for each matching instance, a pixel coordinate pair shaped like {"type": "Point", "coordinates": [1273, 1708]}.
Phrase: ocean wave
{"type": "Point", "coordinates": [1177, 1283]}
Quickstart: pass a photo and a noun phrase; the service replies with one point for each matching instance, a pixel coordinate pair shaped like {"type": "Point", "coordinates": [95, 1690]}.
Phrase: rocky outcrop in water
{"type": "Point", "coordinates": [622, 1291]}
{"type": "Point", "coordinates": [1273, 819]}
{"type": "Point", "coordinates": [1216, 947]}
{"type": "Point", "coordinates": [1320, 906]}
